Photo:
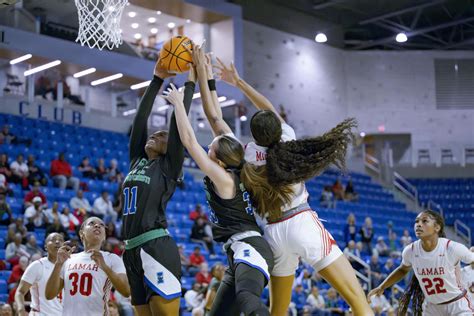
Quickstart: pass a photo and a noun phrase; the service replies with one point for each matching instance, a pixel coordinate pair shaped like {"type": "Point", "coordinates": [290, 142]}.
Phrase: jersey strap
{"type": "Point", "coordinates": [143, 238]}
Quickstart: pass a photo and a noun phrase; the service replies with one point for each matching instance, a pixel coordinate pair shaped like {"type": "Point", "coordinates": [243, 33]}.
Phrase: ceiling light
{"type": "Point", "coordinates": [381, 128]}
{"type": "Point", "coordinates": [43, 67]}
{"type": "Point", "coordinates": [201, 125]}
{"type": "Point", "coordinates": [158, 12]}
{"type": "Point", "coordinates": [20, 59]}
{"type": "Point", "coordinates": [84, 73]}
{"type": "Point", "coordinates": [106, 79]}
{"type": "Point", "coordinates": [197, 95]}
{"type": "Point", "coordinates": [243, 118]}
{"type": "Point", "coordinates": [221, 99]}
{"type": "Point", "coordinates": [401, 38]}
{"type": "Point", "coordinates": [171, 25]}
{"type": "Point", "coordinates": [132, 14]}
{"type": "Point", "coordinates": [151, 20]}
{"type": "Point", "coordinates": [321, 38]}
{"type": "Point", "coordinates": [154, 30]}
{"type": "Point", "coordinates": [163, 108]}
{"type": "Point", "coordinates": [135, 25]}
{"type": "Point", "coordinates": [140, 85]}
{"type": "Point", "coordinates": [228, 103]}
{"type": "Point", "coordinates": [362, 134]}
{"type": "Point", "coordinates": [188, 21]}
{"type": "Point", "coordinates": [137, 36]}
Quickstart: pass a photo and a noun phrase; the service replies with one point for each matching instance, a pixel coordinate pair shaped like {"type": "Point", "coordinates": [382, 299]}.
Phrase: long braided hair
{"type": "Point", "coordinates": [413, 292]}
{"type": "Point", "coordinates": [291, 162]}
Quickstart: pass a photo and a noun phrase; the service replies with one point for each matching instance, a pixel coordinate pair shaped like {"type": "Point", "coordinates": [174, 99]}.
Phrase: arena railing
{"type": "Point", "coordinates": [432, 205]}
{"type": "Point", "coordinates": [372, 163]}
{"type": "Point", "coordinates": [406, 188]}
{"type": "Point", "coordinates": [459, 226]}
{"type": "Point", "coordinates": [366, 278]}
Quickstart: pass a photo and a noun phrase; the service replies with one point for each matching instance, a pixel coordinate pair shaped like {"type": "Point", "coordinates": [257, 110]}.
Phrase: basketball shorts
{"type": "Point", "coordinates": [154, 268]}
{"type": "Point", "coordinates": [254, 252]}
{"type": "Point", "coordinates": [461, 307]}
{"type": "Point", "coordinates": [302, 235]}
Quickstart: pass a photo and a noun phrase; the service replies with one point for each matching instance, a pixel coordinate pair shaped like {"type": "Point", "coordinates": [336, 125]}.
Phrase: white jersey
{"type": "Point", "coordinates": [86, 286]}
{"type": "Point", "coordinates": [37, 274]}
{"type": "Point", "coordinates": [256, 155]}
{"type": "Point", "coordinates": [438, 271]}
{"type": "Point", "coordinates": [467, 276]}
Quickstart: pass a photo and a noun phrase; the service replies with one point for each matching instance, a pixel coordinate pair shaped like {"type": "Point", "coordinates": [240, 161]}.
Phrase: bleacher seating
{"type": "Point", "coordinates": [50, 138]}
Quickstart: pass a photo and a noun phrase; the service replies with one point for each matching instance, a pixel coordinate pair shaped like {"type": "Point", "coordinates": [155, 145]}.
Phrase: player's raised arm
{"type": "Point", "coordinates": [231, 76]}
{"type": "Point", "coordinates": [207, 87]}
{"type": "Point", "coordinates": [215, 172]}
{"type": "Point", "coordinates": [175, 150]}
{"type": "Point", "coordinates": [396, 276]}
{"type": "Point", "coordinates": [55, 283]}
{"type": "Point", "coordinates": [139, 133]}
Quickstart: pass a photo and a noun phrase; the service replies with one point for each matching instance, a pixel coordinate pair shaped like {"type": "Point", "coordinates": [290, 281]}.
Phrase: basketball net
{"type": "Point", "coordinates": [99, 23]}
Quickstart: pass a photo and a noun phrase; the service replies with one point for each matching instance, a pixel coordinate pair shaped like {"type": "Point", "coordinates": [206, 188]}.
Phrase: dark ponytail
{"type": "Point", "coordinates": [299, 160]}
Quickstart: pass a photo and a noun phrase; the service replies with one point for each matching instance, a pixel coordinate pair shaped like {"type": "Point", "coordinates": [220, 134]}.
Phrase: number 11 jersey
{"type": "Point", "coordinates": [86, 286]}
{"type": "Point", "coordinates": [438, 271]}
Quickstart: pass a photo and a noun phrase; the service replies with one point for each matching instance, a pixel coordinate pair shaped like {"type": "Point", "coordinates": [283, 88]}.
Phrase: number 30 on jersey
{"type": "Point", "coordinates": [129, 200]}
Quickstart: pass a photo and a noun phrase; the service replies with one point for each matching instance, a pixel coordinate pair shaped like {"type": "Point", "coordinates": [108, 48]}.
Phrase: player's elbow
{"type": "Point", "coordinates": [50, 294]}
{"type": "Point", "coordinates": [125, 291]}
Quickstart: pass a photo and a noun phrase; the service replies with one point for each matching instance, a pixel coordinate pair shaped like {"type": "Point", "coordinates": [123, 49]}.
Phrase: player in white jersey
{"type": "Point", "coordinates": [467, 277]}
{"type": "Point", "coordinates": [294, 229]}
{"type": "Point", "coordinates": [435, 288]}
{"type": "Point", "coordinates": [34, 280]}
{"type": "Point", "coordinates": [87, 277]}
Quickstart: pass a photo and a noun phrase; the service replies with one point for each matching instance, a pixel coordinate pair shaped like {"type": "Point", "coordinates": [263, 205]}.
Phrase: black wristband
{"type": "Point", "coordinates": [212, 84]}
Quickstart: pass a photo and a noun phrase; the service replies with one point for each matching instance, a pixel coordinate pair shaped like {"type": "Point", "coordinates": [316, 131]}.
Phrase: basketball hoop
{"type": "Point", "coordinates": [99, 22]}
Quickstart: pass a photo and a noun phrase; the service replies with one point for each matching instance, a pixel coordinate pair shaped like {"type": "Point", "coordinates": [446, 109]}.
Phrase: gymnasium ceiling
{"type": "Point", "coordinates": [373, 24]}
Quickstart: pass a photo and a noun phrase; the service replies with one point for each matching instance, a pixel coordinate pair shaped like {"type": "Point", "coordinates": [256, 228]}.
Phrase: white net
{"type": "Point", "coordinates": [99, 23]}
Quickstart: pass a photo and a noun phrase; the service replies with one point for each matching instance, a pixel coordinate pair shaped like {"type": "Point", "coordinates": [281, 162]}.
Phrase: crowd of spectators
{"type": "Point", "coordinates": [331, 194]}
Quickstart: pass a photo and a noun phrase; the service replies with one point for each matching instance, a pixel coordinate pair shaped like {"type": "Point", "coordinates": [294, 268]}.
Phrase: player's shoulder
{"type": "Point", "coordinates": [110, 255]}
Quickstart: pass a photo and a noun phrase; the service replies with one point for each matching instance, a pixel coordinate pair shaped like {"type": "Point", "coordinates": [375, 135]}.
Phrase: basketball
{"type": "Point", "coordinates": [174, 55]}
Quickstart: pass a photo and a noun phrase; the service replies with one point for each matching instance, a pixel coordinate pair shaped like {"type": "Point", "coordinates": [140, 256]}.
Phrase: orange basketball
{"type": "Point", "coordinates": [174, 55]}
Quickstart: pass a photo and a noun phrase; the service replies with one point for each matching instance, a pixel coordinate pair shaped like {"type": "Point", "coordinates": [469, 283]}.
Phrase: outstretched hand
{"type": "Point", "coordinates": [375, 292]}
{"type": "Point", "coordinates": [227, 74]}
{"type": "Point", "coordinates": [160, 70]}
{"type": "Point", "coordinates": [64, 253]}
{"type": "Point", "coordinates": [173, 96]}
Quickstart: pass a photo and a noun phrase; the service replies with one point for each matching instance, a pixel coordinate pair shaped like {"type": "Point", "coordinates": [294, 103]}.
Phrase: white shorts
{"type": "Point", "coordinates": [302, 235]}
{"type": "Point", "coordinates": [461, 307]}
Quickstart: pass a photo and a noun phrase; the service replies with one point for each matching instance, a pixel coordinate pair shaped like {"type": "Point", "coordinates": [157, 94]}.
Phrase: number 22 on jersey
{"type": "Point", "coordinates": [129, 201]}
{"type": "Point", "coordinates": [438, 284]}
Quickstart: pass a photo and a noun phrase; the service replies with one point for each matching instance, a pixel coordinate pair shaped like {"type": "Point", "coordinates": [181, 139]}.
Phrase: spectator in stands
{"type": "Point", "coordinates": [52, 212]}
{"type": "Point", "coordinates": [34, 215]}
{"type": "Point", "coordinates": [316, 304]}
{"type": "Point", "coordinates": [17, 272]}
{"type": "Point", "coordinates": [87, 170]}
{"type": "Point", "coordinates": [375, 271]}
{"type": "Point", "coordinates": [113, 309]}
{"type": "Point", "coordinates": [350, 194]}
{"type": "Point", "coordinates": [113, 173]}
{"type": "Point", "coordinates": [334, 303]}
{"type": "Point", "coordinates": [5, 167]}
{"type": "Point", "coordinates": [380, 305]}
{"type": "Point", "coordinates": [201, 233]}
{"type": "Point", "coordinates": [5, 211]}
{"type": "Point", "coordinates": [184, 259]}
{"type": "Point", "coordinates": [195, 260]}
{"type": "Point", "coordinates": [57, 227]}
{"type": "Point", "coordinates": [62, 174]}
{"type": "Point", "coordinates": [338, 190]}
{"type": "Point", "coordinates": [393, 246]}
{"type": "Point", "coordinates": [351, 249]}
{"type": "Point", "coordinates": [101, 170]}
{"type": "Point", "coordinates": [298, 298]}
{"type": "Point", "coordinates": [43, 86]}
{"type": "Point", "coordinates": [388, 268]}
{"type": "Point", "coordinates": [32, 247]}
{"type": "Point", "coordinates": [19, 171]}
{"type": "Point", "coordinates": [68, 220]}
{"type": "Point", "coordinates": [327, 198]}
{"type": "Point", "coordinates": [381, 247]}
{"type": "Point", "coordinates": [35, 172]}
{"type": "Point", "coordinates": [103, 208]}
{"type": "Point", "coordinates": [67, 93]}
{"type": "Point", "coordinates": [198, 213]}
{"type": "Point", "coordinates": [80, 204]}
{"type": "Point", "coordinates": [4, 188]}
{"type": "Point", "coordinates": [195, 300]}
{"type": "Point", "coordinates": [17, 227]}
{"type": "Point", "coordinates": [406, 238]}
{"type": "Point", "coordinates": [203, 276]}
{"type": "Point", "coordinates": [6, 310]}
{"type": "Point", "coordinates": [35, 192]}
{"type": "Point", "coordinates": [350, 230]}
{"type": "Point", "coordinates": [8, 138]}
{"type": "Point", "coordinates": [366, 235]}
{"type": "Point", "coordinates": [15, 250]}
